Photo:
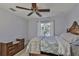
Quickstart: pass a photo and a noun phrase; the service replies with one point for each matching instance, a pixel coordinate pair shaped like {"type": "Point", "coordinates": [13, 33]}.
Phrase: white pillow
{"type": "Point", "coordinates": [69, 37]}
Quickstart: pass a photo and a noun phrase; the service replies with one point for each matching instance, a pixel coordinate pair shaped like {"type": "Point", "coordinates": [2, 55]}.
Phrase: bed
{"type": "Point", "coordinates": [36, 45]}
{"type": "Point", "coordinates": [59, 45]}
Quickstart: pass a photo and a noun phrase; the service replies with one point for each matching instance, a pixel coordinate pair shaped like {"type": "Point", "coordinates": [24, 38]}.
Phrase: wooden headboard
{"type": "Point", "coordinates": [74, 29]}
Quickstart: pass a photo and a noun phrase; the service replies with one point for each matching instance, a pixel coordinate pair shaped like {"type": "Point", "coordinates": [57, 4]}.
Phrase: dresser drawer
{"type": "Point", "coordinates": [12, 52]}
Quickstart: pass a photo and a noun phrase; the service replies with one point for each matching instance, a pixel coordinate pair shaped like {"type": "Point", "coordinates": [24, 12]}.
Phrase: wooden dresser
{"type": "Point", "coordinates": [0, 49]}
{"type": "Point", "coordinates": [11, 48]}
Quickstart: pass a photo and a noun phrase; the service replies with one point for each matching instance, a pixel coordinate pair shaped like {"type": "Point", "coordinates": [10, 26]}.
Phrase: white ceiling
{"type": "Point", "coordinates": [55, 9]}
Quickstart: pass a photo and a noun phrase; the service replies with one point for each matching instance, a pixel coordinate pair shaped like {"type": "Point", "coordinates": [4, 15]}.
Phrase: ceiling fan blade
{"type": "Point", "coordinates": [44, 10]}
{"type": "Point", "coordinates": [12, 9]}
{"type": "Point", "coordinates": [23, 8]}
{"type": "Point", "coordinates": [30, 14]}
{"type": "Point", "coordinates": [38, 14]}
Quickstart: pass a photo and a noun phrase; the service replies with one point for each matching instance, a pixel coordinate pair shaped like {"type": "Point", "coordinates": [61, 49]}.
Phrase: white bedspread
{"type": "Point", "coordinates": [63, 47]}
{"type": "Point", "coordinates": [59, 45]}
{"type": "Point", "coordinates": [37, 45]}
{"type": "Point", "coordinates": [64, 42]}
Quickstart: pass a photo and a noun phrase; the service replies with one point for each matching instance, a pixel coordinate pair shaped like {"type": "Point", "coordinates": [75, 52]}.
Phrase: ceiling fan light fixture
{"type": "Point", "coordinates": [35, 9]}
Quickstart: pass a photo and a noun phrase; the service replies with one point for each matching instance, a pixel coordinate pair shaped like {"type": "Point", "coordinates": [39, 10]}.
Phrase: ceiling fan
{"type": "Point", "coordinates": [34, 9]}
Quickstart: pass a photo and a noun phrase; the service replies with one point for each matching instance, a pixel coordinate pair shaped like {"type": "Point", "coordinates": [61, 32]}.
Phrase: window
{"type": "Point", "coordinates": [45, 29]}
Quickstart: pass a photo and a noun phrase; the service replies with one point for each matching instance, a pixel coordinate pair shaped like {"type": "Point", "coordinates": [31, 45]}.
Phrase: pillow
{"type": "Point", "coordinates": [76, 42]}
{"type": "Point", "coordinates": [68, 37]}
